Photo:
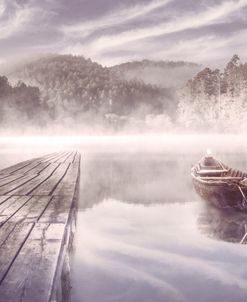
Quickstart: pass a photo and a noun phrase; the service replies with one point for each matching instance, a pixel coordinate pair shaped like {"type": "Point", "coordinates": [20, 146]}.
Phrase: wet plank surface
{"type": "Point", "coordinates": [36, 199]}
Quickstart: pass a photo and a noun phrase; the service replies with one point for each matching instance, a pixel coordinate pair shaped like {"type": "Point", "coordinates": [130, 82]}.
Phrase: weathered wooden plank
{"type": "Point", "coordinates": [15, 184]}
{"type": "Point", "coordinates": [48, 156]}
{"type": "Point", "coordinates": [30, 278]}
{"type": "Point", "coordinates": [9, 207]}
{"type": "Point", "coordinates": [26, 169]}
{"type": "Point", "coordinates": [51, 168]}
{"type": "Point", "coordinates": [16, 167]}
{"type": "Point", "coordinates": [32, 210]}
{"type": "Point", "coordinates": [62, 157]}
{"type": "Point", "coordinates": [17, 234]}
{"type": "Point", "coordinates": [57, 157]}
{"type": "Point", "coordinates": [38, 169]}
{"type": "Point", "coordinates": [70, 157]}
{"type": "Point", "coordinates": [20, 166]}
{"type": "Point", "coordinates": [3, 198]}
{"type": "Point", "coordinates": [68, 184]}
{"type": "Point", "coordinates": [77, 158]}
{"type": "Point", "coordinates": [50, 184]}
{"type": "Point", "coordinates": [5, 230]}
{"type": "Point", "coordinates": [58, 210]}
{"type": "Point", "coordinates": [33, 224]}
{"type": "Point", "coordinates": [9, 179]}
{"type": "Point", "coordinates": [32, 184]}
{"type": "Point", "coordinates": [2, 176]}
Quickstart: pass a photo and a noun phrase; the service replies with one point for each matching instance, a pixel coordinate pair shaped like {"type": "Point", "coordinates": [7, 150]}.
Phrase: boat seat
{"type": "Point", "coordinates": [211, 172]}
{"type": "Point", "coordinates": [203, 167]}
{"type": "Point", "coordinates": [222, 178]}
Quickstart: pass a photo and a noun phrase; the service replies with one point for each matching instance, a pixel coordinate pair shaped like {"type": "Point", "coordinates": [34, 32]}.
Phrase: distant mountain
{"type": "Point", "coordinates": [216, 99]}
{"type": "Point", "coordinates": [75, 85]}
{"type": "Point", "coordinates": [166, 74]}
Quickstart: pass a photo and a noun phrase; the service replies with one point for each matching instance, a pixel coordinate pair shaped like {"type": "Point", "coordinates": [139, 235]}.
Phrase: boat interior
{"type": "Point", "coordinates": [210, 168]}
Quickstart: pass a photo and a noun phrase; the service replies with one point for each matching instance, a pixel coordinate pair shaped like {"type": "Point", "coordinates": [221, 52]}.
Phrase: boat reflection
{"type": "Point", "coordinates": [225, 225]}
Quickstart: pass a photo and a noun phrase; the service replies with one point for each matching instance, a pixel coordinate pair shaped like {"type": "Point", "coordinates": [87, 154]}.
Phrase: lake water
{"type": "Point", "coordinates": [142, 234]}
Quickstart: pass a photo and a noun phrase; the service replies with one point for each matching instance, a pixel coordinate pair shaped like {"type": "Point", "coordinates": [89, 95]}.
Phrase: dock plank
{"type": "Point", "coordinates": [51, 168]}
{"type": "Point", "coordinates": [16, 167]}
{"type": "Point", "coordinates": [11, 206]}
{"type": "Point", "coordinates": [3, 198]}
{"type": "Point", "coordinates": [37, 218]}
{"type": "Point", "coordinates": [67, 186]}
{"type": "Point", "coordinates": [31, 278]}
{"type": "Point", "coordinates": [38, 169]}
{"type": "Point", "coordinates": [9, 179]}
{"type": "Point", "coordinates": [34, 183]}
{"type": "Point", "coordinates": [11, 245]}
{"type": "Point", "coordinates": [5, 189]}
{"type": "Point", "coordinates": [77, 158]}
{"type": "Point", "coordinates": [58, 157]}
{"type": "Point", "coordinates": [70, 158]}
{"type": "Point", "coordinates": [48, 185]}
{"type": "Point", "coordinates": [27, 168]}
{"type": "Point", "coordinates": [5, 231]}
{"type": "Point", "coordinates": [62, 158]}
{"type": "Point", "coordinates": [57, 210]}
{"type": "Point", "coordinates": [32, 210]}
{"type": "Point", "coordinates": [49, 157]}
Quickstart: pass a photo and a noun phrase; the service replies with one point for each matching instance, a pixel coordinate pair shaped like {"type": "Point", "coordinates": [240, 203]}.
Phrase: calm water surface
{"type": "Point", "coordinates": [142, 234]}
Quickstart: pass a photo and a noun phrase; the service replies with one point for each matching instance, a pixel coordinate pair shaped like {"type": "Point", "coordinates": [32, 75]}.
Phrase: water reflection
{"type": "Point", "coordinates": [136, 178]}
{"type": "Point", "coordinates": [143, 235]}
{"type": "Point", "coordinates": [135, 253]}
{"type": "Point", "coordinates": [227, 225]}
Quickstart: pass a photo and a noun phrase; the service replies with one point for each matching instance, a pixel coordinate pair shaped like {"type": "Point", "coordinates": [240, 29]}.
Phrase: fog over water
{"type": "Point", "coordinates": [142, 233]}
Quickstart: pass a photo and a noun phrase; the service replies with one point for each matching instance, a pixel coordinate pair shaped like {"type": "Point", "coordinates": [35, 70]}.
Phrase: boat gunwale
{"type": "Point", "coordinates": [217, 181]}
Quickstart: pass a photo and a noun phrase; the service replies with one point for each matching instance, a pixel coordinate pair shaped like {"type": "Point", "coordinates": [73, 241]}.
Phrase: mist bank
{"type": "Point", "coordinates": [72, 95]}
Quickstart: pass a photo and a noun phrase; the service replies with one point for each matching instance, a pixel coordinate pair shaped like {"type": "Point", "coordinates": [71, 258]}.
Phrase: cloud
{"type": "Point", "coordinates": [212, 15]}
{"type": "Point", "coordinates": [117, 17]}
{"type": "Point", "coordinates": [144, 41]}
{"type": "Point", "coordinates": [22, 18]}
{"type": "Point", "coordinates": [15, 18]}
{"type": "Point", "coordinates": [2, 7]}
{"type": "Point", "coordinates": [117, 32]}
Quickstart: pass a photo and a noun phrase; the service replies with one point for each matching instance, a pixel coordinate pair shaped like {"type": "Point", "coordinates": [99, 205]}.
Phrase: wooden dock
{"type": "Point", "coordinates": [38, 201]}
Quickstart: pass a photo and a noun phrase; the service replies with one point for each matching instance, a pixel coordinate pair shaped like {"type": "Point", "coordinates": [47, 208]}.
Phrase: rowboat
{"type": "Point", "coordinates": [220, 185]}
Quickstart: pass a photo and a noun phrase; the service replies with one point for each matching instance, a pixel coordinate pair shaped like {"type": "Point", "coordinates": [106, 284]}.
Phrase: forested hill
{"type": "Point", "coordinates": [166, 74]}
{"type": "Point", "coordinates": [216, 100]}
{"type": "Point", "coordinates": [20, 105]}
{"type": "Point", "coordinates": [72, 90]}
{"type": "Point", "coordinates": [74, 85]}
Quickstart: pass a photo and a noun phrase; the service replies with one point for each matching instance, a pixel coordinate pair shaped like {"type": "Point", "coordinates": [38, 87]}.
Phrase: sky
{"type": "Point", "coordinates": [110, 32]}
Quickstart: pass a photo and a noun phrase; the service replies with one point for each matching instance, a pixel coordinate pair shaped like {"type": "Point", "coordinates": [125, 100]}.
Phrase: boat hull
{"type": "Point", "coordinates": [221, 195]}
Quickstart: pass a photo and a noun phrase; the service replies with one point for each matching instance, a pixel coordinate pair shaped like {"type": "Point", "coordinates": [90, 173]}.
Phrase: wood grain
{"type": "Point", "coordinates": [37, 206]}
